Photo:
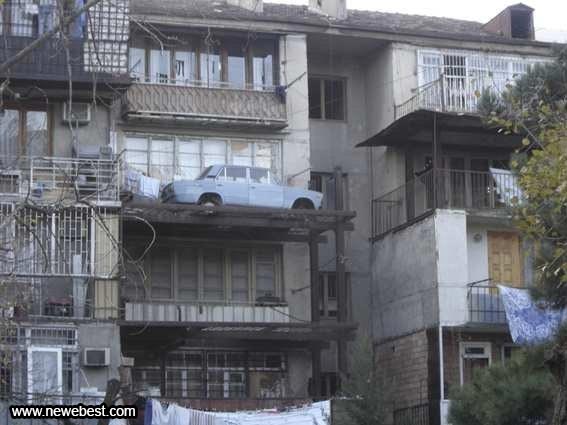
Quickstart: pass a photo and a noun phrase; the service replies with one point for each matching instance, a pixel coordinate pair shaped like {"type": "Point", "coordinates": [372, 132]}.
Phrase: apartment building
{"type": "Point", "coordinates": [59, 202]}
{"type": "Point", "coordinates": [239, 308]}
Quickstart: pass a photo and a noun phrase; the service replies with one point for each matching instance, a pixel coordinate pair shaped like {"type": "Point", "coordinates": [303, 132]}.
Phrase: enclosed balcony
{"type": "Point", "coordinates": [453, 81]}
{"type": "Point", "coordinates": [206, 78]}
{"type": "Point", "coordinates": [90, 54]}
{"type": "Point", "coordinates": [494, 190]}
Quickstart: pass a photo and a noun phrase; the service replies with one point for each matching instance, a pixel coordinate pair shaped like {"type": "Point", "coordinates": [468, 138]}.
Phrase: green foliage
{"type": "Point", "coordinates": [521, 392]}
{"type": "Point", "coordinates": [363, 396]}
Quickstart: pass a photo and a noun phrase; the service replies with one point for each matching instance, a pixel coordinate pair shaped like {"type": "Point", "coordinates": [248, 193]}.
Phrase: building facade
{"type": "Point", "coordinates": [238, 308]}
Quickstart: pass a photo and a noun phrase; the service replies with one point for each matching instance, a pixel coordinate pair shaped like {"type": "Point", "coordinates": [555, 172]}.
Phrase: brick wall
{"type": "Point", "coordinates": [403, 368]}
{"type": "Point", "coordinates": [451, 340]}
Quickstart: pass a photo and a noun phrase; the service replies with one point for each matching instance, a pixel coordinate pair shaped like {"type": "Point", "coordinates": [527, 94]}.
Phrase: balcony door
{"type": "Point", "coordinates": [504, 261]}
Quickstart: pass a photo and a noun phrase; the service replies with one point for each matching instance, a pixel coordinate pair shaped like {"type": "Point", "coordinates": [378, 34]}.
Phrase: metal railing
{"type": "Point", "coordinates": [448, 94]}
{"type": "Point", "coordinates": [414, 415]}
{"type": "Point", "coordinates": [485, 304]}
{"type": "Point", "coordinates": [49, 179]}
{"type": "Point", "coordinates": [201, 311]}
{"type": "Point", "coordinates": [447, 188]}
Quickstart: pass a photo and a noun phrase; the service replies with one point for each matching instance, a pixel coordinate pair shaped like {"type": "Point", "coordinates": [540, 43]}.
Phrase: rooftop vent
{"type": "Point", "coordinates": [515, 21]}
{"type": "Point", "coordinates": [253, 5]}
{"type": "Point", "coordinates": [334, 8]}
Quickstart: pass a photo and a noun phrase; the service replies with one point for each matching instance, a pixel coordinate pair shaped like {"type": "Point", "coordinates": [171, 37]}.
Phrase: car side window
{"type": "Point", "coordinates": [259, 175]}
{"type": "Point", "coordinates": [233, 174]}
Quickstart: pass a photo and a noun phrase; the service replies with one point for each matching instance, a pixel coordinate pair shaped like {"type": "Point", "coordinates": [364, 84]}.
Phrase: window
{"type": "Point", "coordinates": [236, 69]}
{"type": "Point", "coordinates": [24, 133]}
{"type": "Point", "coordinates": [161, 274]}
{"type": "Point", "coordinates": [265, 275]}
{"type": "Point", "coordinates": [210, 62]}
{"type": "Point", "coordinates": [184, 374]}
{"type": "Point", "coordinates": [328, 291]}
{"type": "Point", "coordinates": [184, 157]}
{"type": "Point", "coordinates": [208, 273]}
{"type": "Point", "coordinates": [27, 18]}
{"type": "Point", "coordinates": [160, 63]}
{"type": "Point", "coordinates": [234, 174]}
{"type": "Point", "coordinates": [324, 183]}
{"type": "Point", "coordinates": [137, 64]}
{"type": "Point", "coordinates": [214, 374]}
{"type": "Point", "coordinates": [326, 98]}
{"type": "Point", "coordinates": [185, 66]}
{"type": "Point", "coordinates": [267, 375]}
{"type": "Point", "coordinates": [473, 356]}
{"type": "Point", "coordinates": [226, 375]}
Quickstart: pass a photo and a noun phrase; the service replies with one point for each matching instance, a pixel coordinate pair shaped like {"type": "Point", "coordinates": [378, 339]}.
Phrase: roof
{"type": "Point", "coordinates": [394, 23]}
{"type": "Point", "coordinates": [454, 129]}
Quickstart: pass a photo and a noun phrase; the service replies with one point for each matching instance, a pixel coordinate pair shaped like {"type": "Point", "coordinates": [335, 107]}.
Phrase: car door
{"type": "Point", "coordinates": [232, 185]}
{"type": "Point", "coordinates": [264, 192]}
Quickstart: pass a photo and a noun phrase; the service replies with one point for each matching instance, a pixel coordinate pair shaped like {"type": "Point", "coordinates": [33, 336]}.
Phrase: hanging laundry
{"type": "Point", "coordinates": [314, 414]}
{"type": "Point", "coordinates": [529, 322]}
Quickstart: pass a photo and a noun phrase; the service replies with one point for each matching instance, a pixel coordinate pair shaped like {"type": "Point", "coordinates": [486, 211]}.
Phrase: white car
{"type": "Point", "coordinates": [240, 185]}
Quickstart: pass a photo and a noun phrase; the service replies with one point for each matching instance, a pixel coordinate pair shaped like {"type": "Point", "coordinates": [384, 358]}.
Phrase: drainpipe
{"type": "Point", "coordinates": [441, 369]}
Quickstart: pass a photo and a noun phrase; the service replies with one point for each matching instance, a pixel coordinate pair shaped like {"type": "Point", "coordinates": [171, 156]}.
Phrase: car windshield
{"type": "Point", "coordinates": [205, 173]}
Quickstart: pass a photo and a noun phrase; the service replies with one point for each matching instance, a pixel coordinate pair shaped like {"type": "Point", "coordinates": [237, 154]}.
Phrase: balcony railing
{"type": "Point", "coordinates": [156, 311]}
{"type": "Point", "coordinates": [485, 305]}
{"type": "Point", "coordinates": [202, 103]}
{"type": "Point", "coordinates": [451, 189]}
{"type": "Point", "coordinates": [72, 241]}
{"type": "Point", "coordinates": [45, 179]}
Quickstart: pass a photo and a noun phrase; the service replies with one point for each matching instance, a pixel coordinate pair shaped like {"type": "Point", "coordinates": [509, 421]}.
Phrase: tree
{"type": "Point", "coordinates": [519, 392]}
{"type": "Point", "coordinates": [362, 402]}
{"type": "Point", "coordinates": [536, 107]}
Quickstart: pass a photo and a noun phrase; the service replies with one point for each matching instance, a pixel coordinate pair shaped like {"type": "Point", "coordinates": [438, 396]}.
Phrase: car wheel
{"type": "Point", "coordinates": [210, 201]}
{"type": "Point", "coordinates": [303, 204]}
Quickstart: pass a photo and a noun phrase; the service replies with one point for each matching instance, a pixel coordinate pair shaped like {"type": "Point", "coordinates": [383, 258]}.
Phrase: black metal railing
{"type": "Point", "coordinates": [447, 188]}
{"type": "Point", "coordinates": [485, 304]}
{"type": "Point", "coordinates": [414, 415]}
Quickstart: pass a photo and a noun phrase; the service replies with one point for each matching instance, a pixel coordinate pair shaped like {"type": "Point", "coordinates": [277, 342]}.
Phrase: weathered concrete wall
{"type": "Point", "coordinates": [452, 273]}
{"type": "Point", "coordinates": [296, 154]}
{"type": "Point", "coordinates": [99, 335]}
{"type": "Point", "coordinates": [405, 280]}
{"type": "Point", "coordinates": [94, 133]}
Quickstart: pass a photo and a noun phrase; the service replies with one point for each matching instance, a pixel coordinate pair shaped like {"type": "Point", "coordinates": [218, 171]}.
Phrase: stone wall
{"type": "Point", "coordinates": [403, 366]}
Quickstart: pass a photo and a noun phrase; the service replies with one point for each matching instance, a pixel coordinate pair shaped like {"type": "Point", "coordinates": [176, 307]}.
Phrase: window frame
{"type": "Point", "coordinates": [226, 267]}
{"type": "Point", "coordinates": [322, 79]}
{"type": "Point", "coordinates": [487, 346]}
{"type": "Point", "coordinates": [22, 136]}
{"type": "Point", "coordinates": [276, 161]}
{"type": "Point", "coordinates": [196, 44]}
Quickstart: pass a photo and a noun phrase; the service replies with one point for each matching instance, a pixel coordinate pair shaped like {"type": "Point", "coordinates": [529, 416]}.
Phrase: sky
{"type": "Point", "coordinates": [550, 16]}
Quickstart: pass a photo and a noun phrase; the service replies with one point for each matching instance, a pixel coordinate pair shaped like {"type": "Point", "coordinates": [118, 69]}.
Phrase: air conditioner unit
{"type": "Point", "coordinates": [96, 357]}
{"type": "Point", "coordinates": [78, 113]}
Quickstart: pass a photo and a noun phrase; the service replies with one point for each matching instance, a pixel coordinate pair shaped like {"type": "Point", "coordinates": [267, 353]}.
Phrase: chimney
{"type": "Point", "coordinates": [252, 5]}
{"type": "Point", "coordinates": [515, 21]}
{"type": "Point", "coordinates": [334, 8]}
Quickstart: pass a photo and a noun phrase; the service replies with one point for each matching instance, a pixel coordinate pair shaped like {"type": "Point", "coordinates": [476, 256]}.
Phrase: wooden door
{"type": "Point", "coordinates": [504, 260]}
